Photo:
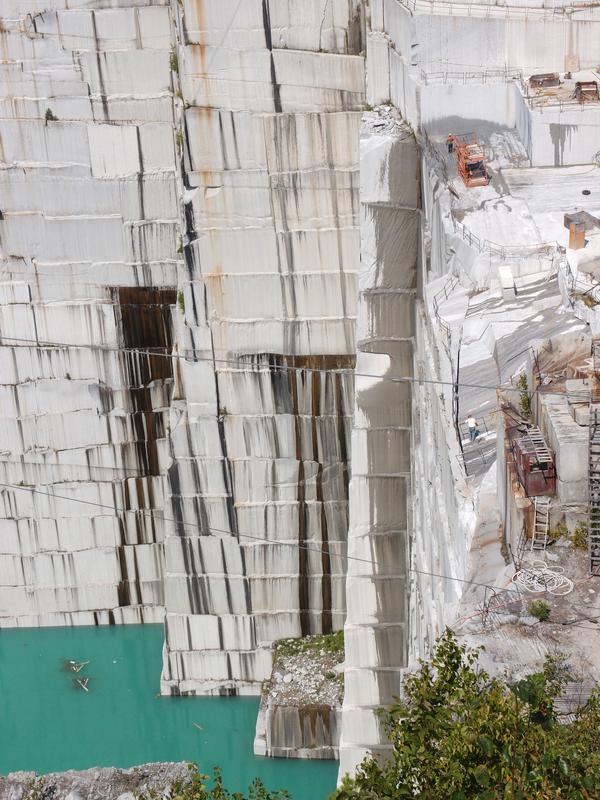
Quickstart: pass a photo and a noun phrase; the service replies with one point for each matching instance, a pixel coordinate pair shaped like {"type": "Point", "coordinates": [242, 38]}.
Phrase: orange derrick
{"type": "Point", "coordinates": [470, 159]}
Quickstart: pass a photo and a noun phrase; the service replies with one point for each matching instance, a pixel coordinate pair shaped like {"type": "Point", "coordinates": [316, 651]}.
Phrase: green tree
{"type": "Point", "coordinates": [460, 734]}
{"type": "Point", "coordinates": [203, 787]}
{"type": "Point", "coordinates": [524, 398]}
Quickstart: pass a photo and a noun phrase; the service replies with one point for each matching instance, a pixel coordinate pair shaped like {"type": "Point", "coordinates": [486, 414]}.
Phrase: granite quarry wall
{"type": "Point", "coordinates": [179, 252]}
{"type": "Point", "coordinates": [199, 246]}
{"type": "Point", "coordinates": [88, 238]}
{"type": "Point", "coordinates": [260, 437]}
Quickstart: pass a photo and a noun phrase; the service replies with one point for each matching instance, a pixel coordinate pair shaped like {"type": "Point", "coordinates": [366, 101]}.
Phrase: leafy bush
{"type": "Point", "coordinates": [173, 60]}
{"type": "Point", "coordinates": [524, 398]}
{"type": "Point", "coordinates": [330, 642]}
{"type": "Point", "coordinates": [197, 788]}
{"type": "Point", "coordinates": [558, 532]}
{"type": "Point", "coordinates": [579, 537]}
{"type": "Point", "coordinates": [540, 610]}
{"type": "Point", "coordinates": [557, 670]}
{"type": "Point", "coordinates": [460, 734]}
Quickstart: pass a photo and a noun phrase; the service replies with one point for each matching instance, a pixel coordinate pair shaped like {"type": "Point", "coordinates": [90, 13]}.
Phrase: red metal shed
{"type": "Point", "coordinates": [535, 464]}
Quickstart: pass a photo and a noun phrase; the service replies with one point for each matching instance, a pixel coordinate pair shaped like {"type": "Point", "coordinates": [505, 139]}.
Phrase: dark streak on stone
{"type": "Point", "coordinates": [144, 317]}
{"type": "Point", "coordinates": [235, 140]}
{"type": "Point", "coordinates": [226, 578]}
{"type": "Point", "coordinates": [100, 74]}
{"type": "Point", "coordinates": [303, 585]}
{"type": "Point", "coordinates": [247, 595]}
{"type": "Point", "coordinates": [123, 589]}
{"type": "Point", "coordinates": [175, 493]}
{"type": "Point", "coordinates": [336, 213]}
{"type": "Point", "coordinates": [325, 558]}
{"type": "Point", "coordinates": [146, 325]}
{"type": "Point", "coordinates": [140, 174]}
{"type": "Point", "coordinates": [223, 143]}
{"type": "Point", "coordinates": [266, 12]}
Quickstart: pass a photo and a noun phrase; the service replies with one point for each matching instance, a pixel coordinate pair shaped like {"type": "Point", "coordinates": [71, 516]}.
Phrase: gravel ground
{"type": "Point", "coordinates": [104, 783]}
{"type": "Point", "coordinates": [312, 676]}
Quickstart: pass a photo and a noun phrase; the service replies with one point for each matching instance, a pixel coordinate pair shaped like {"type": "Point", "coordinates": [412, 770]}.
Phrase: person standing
{"type": "Point", "coordinates": [472, 426]}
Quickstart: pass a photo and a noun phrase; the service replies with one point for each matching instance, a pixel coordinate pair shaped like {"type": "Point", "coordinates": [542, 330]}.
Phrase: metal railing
{"type": "Point", "coordinates": [466, 77]}
{"type": "Point", "coordinates": [504, 251]}
{"type": "Point", "coordinates": [578, 289]}
{"type": "Point", "coordinates": [496, 9]}
{"type": "Point", "coordinates": [439, 297]}
{"type": "Point", "coordinates": [541, 101]}
{"type": "Point", "coordinates": [476, 459]}
{"type": "Point", "coordinates": [482, 245]}
{"type": "Point", "coordinates": [479, 453]}
{"type": "Point", "coordinates": [487, 423]}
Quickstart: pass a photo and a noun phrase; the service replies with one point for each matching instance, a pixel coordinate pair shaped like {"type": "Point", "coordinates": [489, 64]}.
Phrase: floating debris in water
{"type": "Point", "coordinates": [70, 665]}
{"type": "Point", "coordinates": [74, 666]}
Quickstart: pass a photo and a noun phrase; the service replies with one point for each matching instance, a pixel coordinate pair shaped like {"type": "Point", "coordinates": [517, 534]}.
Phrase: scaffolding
{"type": "Point", "coordinates": [594, 490]}
{"type": "Point", "coordinates": [594, 468]}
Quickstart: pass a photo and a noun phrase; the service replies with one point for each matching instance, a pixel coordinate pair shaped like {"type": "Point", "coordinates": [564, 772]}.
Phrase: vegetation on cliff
{"type": "Point", "coordinates": [205, 787]}
{"type": "Point", "coordinates": [460, 734]}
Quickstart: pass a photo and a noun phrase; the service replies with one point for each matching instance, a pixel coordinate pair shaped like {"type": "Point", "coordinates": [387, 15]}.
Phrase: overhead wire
{"type": "Point", "coordinates": [213, 359]}
{"type": "Point", "coordinates": [259, 366]}
{"type": "Point", "coordinates": [212, 530]}
{"type": "Point", "coordinates": [234, 534]}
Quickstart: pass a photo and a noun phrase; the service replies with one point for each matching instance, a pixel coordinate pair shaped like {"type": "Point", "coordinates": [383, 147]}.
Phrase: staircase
{"type": "Point", "coordinates": [594, 489]}
{"type": "Point", "coordinates": [539, 539]}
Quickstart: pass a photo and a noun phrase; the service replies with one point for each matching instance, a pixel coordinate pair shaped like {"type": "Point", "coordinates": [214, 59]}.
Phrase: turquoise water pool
{"type": "Point", "coordinates": [48, 725]}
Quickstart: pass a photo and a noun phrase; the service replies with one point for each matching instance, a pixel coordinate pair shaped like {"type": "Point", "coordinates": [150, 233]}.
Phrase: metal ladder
{"type": "Point", "coordinates": [539, 539]}
{"type": "Point", "coordinates": [594, 489]}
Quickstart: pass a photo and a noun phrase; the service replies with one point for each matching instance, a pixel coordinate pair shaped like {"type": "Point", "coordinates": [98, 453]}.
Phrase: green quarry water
{"type": "Point", "coordinates": [47, 725]}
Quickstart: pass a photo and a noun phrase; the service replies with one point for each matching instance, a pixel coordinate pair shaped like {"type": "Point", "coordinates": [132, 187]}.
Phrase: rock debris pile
{"type": "Point", "coordinates": [301, 702]}
{"type": "Point", "coordinates": [308, 671]}
{"type": "Point", "coordinates": [95, 784]}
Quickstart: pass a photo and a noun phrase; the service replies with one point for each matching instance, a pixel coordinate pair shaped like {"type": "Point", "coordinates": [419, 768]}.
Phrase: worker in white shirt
{"type": "Point", "coordinates": [472, 426]}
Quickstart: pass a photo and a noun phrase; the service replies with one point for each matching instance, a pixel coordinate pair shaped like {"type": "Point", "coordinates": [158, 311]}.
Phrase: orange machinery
{"type": "Point", "coordinates": [470, 159]}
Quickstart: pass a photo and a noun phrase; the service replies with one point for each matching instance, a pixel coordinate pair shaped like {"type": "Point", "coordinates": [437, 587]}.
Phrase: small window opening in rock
{"type": "Point", "coordinates": [586, 192]}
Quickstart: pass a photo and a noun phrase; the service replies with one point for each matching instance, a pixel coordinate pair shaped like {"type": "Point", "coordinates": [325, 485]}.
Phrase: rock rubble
{"type": "Point", "coordinates": [105, 783]}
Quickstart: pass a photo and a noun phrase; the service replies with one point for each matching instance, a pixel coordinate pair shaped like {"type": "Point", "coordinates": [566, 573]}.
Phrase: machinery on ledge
{"type": "Point", "coordinates": [586, 92]}
{"type": "Point", "coordinates": [470, 159]}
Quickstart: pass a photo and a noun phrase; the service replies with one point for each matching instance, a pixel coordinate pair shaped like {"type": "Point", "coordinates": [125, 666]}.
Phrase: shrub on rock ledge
{"type": "Point", "coordinates": [460, 734]}
{"type": "Point", "coordinates": [539, 610]}
{"type": "Point", "coordinates": [203, 787]}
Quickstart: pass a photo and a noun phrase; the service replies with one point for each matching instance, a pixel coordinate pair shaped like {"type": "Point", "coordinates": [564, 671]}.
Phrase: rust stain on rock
{"type": "Point", "coordinates": [216, 294]}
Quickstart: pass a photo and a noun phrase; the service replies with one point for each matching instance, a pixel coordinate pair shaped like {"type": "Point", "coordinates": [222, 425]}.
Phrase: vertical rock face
{"type": "Point", "coordinates": [88, 262]}
{"type": "Point", "coordinates": [179, 176]}
{"type": "Point", "coordinates": [260, 430]}
{"type": "Point", "coordinates": [376, 629]}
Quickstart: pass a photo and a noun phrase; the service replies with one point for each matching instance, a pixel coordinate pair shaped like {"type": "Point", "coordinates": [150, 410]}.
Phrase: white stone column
{"type": "Point", "coordinates": [376, 630]}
